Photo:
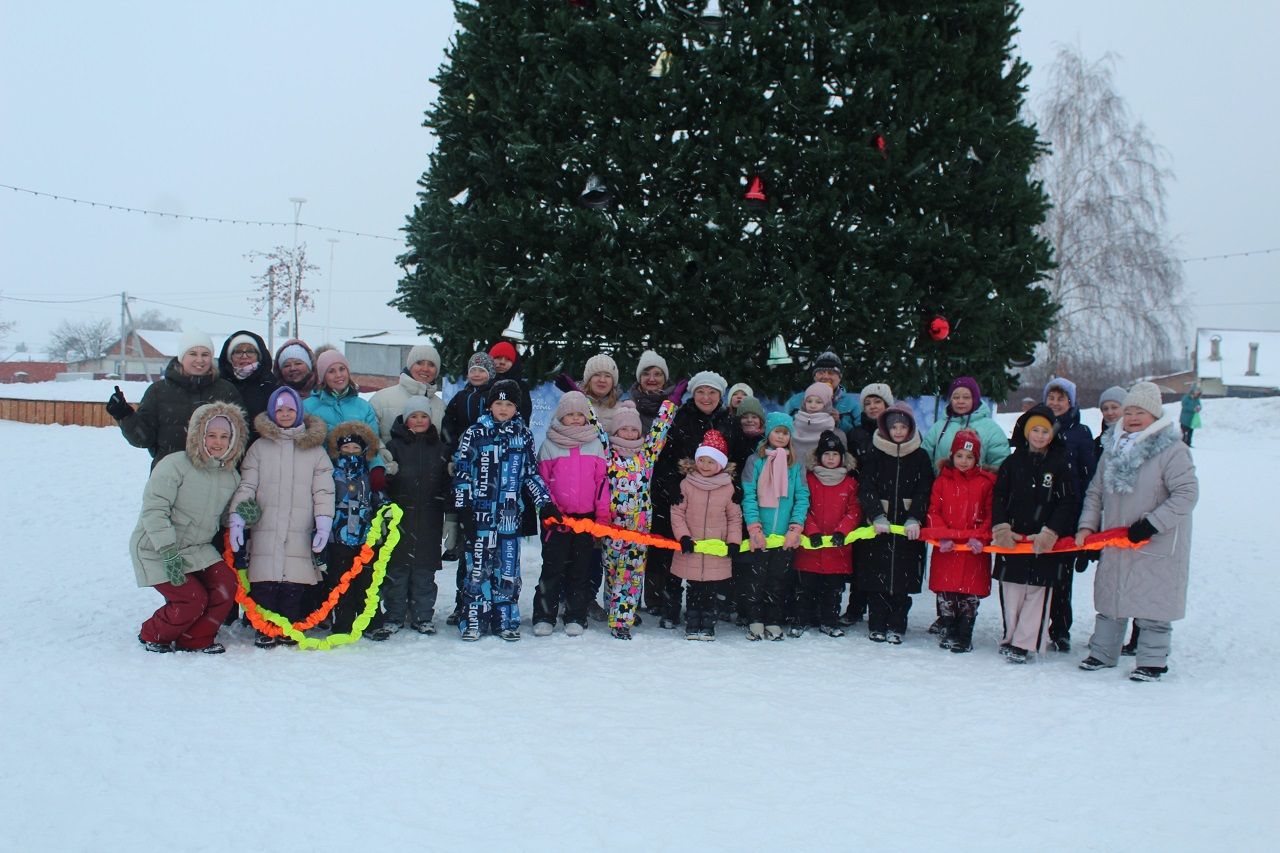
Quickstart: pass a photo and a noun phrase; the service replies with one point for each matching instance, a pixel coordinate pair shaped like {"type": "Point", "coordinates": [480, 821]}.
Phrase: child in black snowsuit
{"type": "Point", "coordinates": [419, 486]}
{"type": "Point", "coordinates": [353, 447]}
{"type": "Point", "coordinates": [1035, 499]}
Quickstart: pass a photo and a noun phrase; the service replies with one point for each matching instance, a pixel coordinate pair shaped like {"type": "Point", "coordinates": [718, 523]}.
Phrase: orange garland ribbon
{"type": "Point", "coordinates": [326, 607]}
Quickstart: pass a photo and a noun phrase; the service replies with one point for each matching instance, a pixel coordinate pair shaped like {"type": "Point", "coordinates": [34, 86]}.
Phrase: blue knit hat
{"type": "Point", "coordinates": [778, 419]}
{"type": "Point", "coordinates": [1064, 385]}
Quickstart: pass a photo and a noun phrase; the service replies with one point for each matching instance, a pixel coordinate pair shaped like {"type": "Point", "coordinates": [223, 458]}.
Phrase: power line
{"type": "Point", "coordinates": [193, 218]}
{"type": "Point", "coordinates": [56, 301]}
{"type": "Point", "coordinates": [245, 319]}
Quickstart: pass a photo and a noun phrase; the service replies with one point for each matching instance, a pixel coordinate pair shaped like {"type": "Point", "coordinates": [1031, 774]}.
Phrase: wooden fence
{"type": "Point", "coordinates": [64, 412]}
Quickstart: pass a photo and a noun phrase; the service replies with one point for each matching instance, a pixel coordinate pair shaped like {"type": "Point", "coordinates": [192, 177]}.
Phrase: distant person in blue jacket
{"type": "Point", "coordinates": [1190, 419]}
{"type": "Point", "coordinates": [828, 368]}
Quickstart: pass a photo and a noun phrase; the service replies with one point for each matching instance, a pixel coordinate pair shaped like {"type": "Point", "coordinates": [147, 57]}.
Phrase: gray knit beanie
{"type": "Point", "coordinates": [1114, 394]}
{"type": "Point", "coordinates": [1146, 396]}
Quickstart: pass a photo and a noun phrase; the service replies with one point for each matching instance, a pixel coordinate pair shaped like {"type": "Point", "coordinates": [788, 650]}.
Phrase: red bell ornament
{"type": "Point", "coordinates": [939, 328]}
{"type": "Point", "coordinates": [755, 196]}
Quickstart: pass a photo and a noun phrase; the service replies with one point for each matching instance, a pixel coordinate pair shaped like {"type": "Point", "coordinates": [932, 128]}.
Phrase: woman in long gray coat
{"type": "Point", "coordinates": [288, 472]}
{"type": "Point", "coordinates": [182, 505]}
{"type": "Point", "coordinates": [1146, 482]}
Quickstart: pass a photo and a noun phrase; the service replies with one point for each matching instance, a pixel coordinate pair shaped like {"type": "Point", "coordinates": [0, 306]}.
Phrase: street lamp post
{"type": "Point", "coordinates": [328, 316]}
{"type": "Point", "coordinates": [296, 275]}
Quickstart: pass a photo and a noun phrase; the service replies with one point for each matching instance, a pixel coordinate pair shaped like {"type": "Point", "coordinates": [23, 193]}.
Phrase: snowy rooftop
{"type": "Point", "coordinates": [168, 342]}
{"type": "Point", "coordinates": [390, 340]}
{"type": "Point", "coordinates": [1233, 349]}
{"type": "Point", "coordinates": [31, 355]}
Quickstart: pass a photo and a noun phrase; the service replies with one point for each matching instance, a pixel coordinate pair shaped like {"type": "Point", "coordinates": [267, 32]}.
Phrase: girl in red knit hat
{"type": "Point", "coordinates": [960, 503]}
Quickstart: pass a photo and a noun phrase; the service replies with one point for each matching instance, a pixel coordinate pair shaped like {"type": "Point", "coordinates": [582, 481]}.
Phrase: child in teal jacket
{"type": "Point", "coordinates": [775, 502]}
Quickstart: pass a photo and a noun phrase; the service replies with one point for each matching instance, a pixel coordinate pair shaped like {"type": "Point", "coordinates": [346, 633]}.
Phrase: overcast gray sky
{"type": "Point", "coordinates": [228, 109]}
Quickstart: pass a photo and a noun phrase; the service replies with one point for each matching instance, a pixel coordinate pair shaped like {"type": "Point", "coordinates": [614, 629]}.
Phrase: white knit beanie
{"type": "Point", "coordinates": [709, 379]}
{"type": "Point", "coordinates": [1146, 396]}
{"type": "Point", "coordinates": [600, 363]}
{"type": "Point", "coordinates": [192, 338]}
{"type": "Point", "coordinates": [241, 339]}
{"type": "Point", "coordinates": [648, 359]}
{"type": "Point", "coordinates": [422, 352]}
{"type": "Point", "coordinates": [736, 387]}
{"type": "Point", "coordinates": [877, 389]}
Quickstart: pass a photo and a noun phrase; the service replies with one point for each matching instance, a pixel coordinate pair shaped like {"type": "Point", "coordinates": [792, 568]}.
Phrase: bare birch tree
{"type": "Point", "coordinates": [280, 285]}
{"type": "Point", "coordinates": [1118, 280]}
{"type": "Point", "coordinates": [82, 340]}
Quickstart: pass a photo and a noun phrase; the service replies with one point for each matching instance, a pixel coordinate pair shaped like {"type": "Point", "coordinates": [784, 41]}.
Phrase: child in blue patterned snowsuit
{"type": "Point", "coordinates": [353, 447]}
{"type": "Point", "coordinates": [495, 471]}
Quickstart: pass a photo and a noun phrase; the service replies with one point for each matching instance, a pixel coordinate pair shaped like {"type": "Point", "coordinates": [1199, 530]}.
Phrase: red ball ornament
{"type": "Point", "coordinates": [939, 328]}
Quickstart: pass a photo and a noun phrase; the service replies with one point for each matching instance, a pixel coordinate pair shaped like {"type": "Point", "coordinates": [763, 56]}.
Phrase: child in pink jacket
{"type": "Point", "coordinates": [706, 511]}
{"type": "Point", "coordinates": [572, 463]}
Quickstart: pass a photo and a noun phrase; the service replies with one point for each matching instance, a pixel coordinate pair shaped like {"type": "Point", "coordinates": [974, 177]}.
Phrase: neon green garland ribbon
{"type": "Point", "coordinates": [720, 548]}
{"type": "Point", "coordinates": [365, 616]}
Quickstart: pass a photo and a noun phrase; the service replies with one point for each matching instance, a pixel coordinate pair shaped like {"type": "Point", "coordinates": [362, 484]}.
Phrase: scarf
{"type": "Point", "coordinates": [1127, 452]}
{"type": "Point", "coordinates": [572, 436]}
{"type": "Point", "coordinates": [627, 447]}
{"type": "Point", "coordinates": [771, 484]}
{"type": "Point", "coordinates": [243, 373]}
{"type": "Point", "coordinates": [647, 402]}
{"type": "Point", "coordinates": [830, 476]}
{"type": "Point", "coordinates": [808, 428]}
{"type": "Point", "coordinates": [897, 451]}
{"type": "Point", "coordinates": [715, 481]}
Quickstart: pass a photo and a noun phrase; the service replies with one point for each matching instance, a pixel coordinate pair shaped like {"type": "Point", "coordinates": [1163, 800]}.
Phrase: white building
{"type": "Point", "coordinates": [1238, 362]}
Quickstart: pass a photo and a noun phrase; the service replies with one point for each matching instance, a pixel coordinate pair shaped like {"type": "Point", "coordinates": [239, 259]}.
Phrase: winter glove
{"type": "Point", "coordinates": [1141, 530]}
{"type": "Point", "coordinates": [175, 565]}
{"type": "Point", "coordinates": [881, 525]}
{"type": "Point", "coordinates": [791, 541]}
{"type": "Point", "coordinates": [324, 526]}
{"type": "Point", "coordinates": [677, 391]}
{"type": "Point", "coordinates": [549, 512]}
{"type": "Point", "coordinates": [1082, 534]}
{"type": "Point", "coordinates": [1043, 541]}
{"type": "Point", "coordinates": [117, 407]}
{"type": "Point", "coordinates": [686, 544]}
{"type": "Point", "coordinates": [912, 529]}
{"type": "Point", "coordinates": [566, 383]}
{"type": "Point", "coordinates": [378, 479]}
{"type": "Point", "coordinates": [1002, 536]}
{"type": "Point", "coordinates": [756, 534]}
{"type": "Point", "coordinates": [815, 540]}
{"type": "Point", "coordinates": [946, 546]}
{"type": "Point", "coordinates": [467, 524]}
{"type": "Point", "coordinates": [235, 528]}
{"type": "Point", "coordinates": [249, 510]}
{"type": "Point", "coordinates": [975, 545]}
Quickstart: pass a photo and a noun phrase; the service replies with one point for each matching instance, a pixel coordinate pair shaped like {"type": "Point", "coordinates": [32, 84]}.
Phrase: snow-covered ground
{"type": "Point", "coordinates": [589, 743]}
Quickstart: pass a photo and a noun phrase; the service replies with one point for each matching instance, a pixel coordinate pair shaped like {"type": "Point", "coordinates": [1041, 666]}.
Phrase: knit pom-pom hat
{"type": "Point", "coordinates": [648, 359]}
{"type": "Point", "coordinates": [713, 446]}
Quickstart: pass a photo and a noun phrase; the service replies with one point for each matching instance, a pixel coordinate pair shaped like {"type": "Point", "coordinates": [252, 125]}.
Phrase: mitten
{"type": "Point", "coordinates": [235, 528]}
{"type": "Point", "coordinates": [378, 479]}
{"type": "Point", "coordinates": [549, 512]}
{"type": "Point", "coordinates": [324, 526]}
{"type": "Point", "coordinates": [1043, 541]}
{"type": "Point", "coordinates": [881, 525]}
{"type": "Point", "coordinates": [117, 407]}
{"type": "Point", "coordinates": [946, 546]}
{"type": "Point", "coordinates": [677, 391]}
{"type": "Point", "coordinates": [792, 540]}
{"type": "Point", "coordinates": [566, 383]}
{"type": "Point", "coordinates": [249, 510]}
{"type": "Point", "coordinates": [1141, 530]}
{"type": "Point", "coordinates": [912, 529]}
{"type": "Point", "coordinates": [686, 544]}
{"type": "Point", "coordinates": [175, 565]}
{"type": "Point", "coordinates": [976, 546]}
{"type": "Point", "coordinates": [1002, 536]}
{"type": "Point", "coordinates": [756, 534]}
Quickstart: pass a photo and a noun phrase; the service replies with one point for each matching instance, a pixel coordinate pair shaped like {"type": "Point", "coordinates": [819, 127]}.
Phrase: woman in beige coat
{"type": "Point", "coordinates": [1146, 482]}
{"type": "Point", "coordinates": [182, 506]}
{"type": "Point", "coordinates": [290, 475]}
{"type": "Point", "coordinates": [706, 511]}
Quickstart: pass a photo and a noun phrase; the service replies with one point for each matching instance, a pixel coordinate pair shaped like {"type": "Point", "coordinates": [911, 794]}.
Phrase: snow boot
{"type": "Point", "coordinates": [1090, 664]}
{"type": "Point", "coordinates": [1016, 655]}
{"type": "Point", "coordinates": [893, 638]}
{"type": "Point", "coordinates": [471, 633]}
{"type": "Point", "coordinates": [509, 634]}
{"type": "Point", "coordinates": [1148, 673]}
{"type": "Point", "coordinates": [385, 631]}
{"type": "Point", "coordinates": [595, 612]}
{"type": "Point", "coordinates": [620, 632]}
{"type": "Point", "coordinates": [773, 632]}
{"type": "Point", "coordinates": [1130, 648]}
{"type": "Point", "coordinates": [265, 641]}
{"type": "Point", "coordinates": [876, 636]}
{"type": "Point", "coordinates": [962, 635]}
{"type": "Point", "coordinates": [425, 627]}
{"type": "Point", "coordinates": [211, 649]}
{"type": "Point", "coordinates": [1061, 644]}
{"type": "Point", "coordinates": [796, 630]}
{"type": "Point", "coordinates": [453, 618]}
{"type": "Point", "coordinates": [944, 624]}
{"type": "Point", "coordinates": [573, 629]}
{"type": "Point", "coordinates": [755, 631]}
{"type": "Point", "coordinates": [543, 629]}
{"type": "Point", "coordinates": [692, 623]}
{"type": "Point", "coordinates": [939, 625]}
{"type": "Point", "coordinates": [668, 623]}
{"type": "Point", "coordinates": [159, 648]}
{"type": "Point", "coordinates": [707, 633]}
{"type": "Point", "coordinates": [832, 630]}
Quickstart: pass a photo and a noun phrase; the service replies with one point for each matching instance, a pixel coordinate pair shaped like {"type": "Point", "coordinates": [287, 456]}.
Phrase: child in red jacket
{"type": "Point", "coordinates": [960, 503]}
{"type": "Point", "coordinates": [573, 465]}
{"type": "Point", "coordinates": [833, 511]}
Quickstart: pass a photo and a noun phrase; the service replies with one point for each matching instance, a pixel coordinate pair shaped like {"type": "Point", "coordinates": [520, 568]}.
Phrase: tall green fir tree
{"type": "Point", "coordinates": [836, 174]}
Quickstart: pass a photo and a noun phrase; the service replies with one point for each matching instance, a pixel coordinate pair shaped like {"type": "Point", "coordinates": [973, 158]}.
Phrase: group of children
{"type": "Point", "coordinates": [770, 497]}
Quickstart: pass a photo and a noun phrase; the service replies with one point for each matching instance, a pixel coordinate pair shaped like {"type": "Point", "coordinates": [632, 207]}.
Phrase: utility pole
{"type": "Point", "coordinates": [122, 361]}
{"type": "Point", "coordinates": [328, 317]}
{"type": "Point", "coordinates": [271, 308]}
{"type": "Point", "coordinates": [295, 273]}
